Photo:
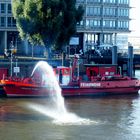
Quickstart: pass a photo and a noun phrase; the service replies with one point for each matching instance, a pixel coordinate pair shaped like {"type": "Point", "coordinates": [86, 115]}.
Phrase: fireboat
{"type": "Point", "coordinates": [98, 79]}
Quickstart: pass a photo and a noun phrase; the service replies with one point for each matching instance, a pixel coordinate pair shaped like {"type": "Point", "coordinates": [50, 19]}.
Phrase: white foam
{"type": "Point", "coordinates": [61, 118]}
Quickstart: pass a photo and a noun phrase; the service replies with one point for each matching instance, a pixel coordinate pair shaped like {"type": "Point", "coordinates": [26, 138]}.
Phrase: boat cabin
{"type": "Point", "coordinates": [100, 70]}
{"type": "Point", "coordinates": [63, 74]}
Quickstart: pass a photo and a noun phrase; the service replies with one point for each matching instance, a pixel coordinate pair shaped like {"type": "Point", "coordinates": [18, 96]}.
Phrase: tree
{"type": "Point", "coordinates": [47, 22]}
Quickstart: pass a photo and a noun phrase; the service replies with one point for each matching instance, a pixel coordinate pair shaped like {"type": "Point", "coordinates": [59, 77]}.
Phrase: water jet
{"type": "Point", "coordinates": [55, 109]}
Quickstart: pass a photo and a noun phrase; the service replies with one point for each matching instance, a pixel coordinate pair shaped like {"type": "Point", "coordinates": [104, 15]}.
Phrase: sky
{"type": "Point", "coordinates": [135, 16]}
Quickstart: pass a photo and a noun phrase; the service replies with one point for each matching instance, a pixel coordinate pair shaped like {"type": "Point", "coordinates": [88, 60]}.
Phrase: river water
{"type": "Point", "coordinates": [112, 117]}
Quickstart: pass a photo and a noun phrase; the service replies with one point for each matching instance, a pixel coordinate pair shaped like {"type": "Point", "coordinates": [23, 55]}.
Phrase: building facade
{"type": "Point", "coordinates": [9, 35]}
{"type": "Point", "coordinates": [8, 29]}
{"type": "Point", "coordinates": [102, 21]}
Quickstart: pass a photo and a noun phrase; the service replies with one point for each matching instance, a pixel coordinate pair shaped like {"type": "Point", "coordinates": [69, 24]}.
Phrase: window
{"type": "Point", "coordinates": [90, 23]}
{"type": "Point", "coordinates": [3, 8]}
{"type": "Point", "coordinates": [123, 24]}
{"type": "Point", "coordinates": [107, 38]}
{"type": "Point", "coordinates": [80, 1]}
{"type": "Point", "coordinates": [112, 1]}
{"type": "Point", "coordinates": [81, 23]}
{"type": "Point", "coordinates": [93, 11]}
{"type": "Point", "coordinates": [2, 21]}
{"type": "Point", "coordinates": [109, 11]}
{"type": "Point", "coordinates": [96, 11]}
{"type": "Point", "coordinates": [109, 1]}
{"type": "Point", "coordinates": [96, 23]}
{"type": "Point", "coordinates": [11, 22]}
{"type": "Point", "coordinates": [87, 23]}
{"type": "Point", "coordinates": [9, 9]}
{"type": "Point", "coordinates": [112, 23]}
{"type": "Point", "coordinates": [90, 11]}
{"type": "Point", "coordinates": [123, 1]}
{"type": "Point", "coordinates": [123, 12]}
{"type": "Point", "coordinates": [109, 23]}
{"type": "Point", "coordinates": [93, 1]}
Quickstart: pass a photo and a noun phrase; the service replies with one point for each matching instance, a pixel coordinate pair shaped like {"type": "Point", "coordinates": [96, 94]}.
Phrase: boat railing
{"type": "Point", "coordinates": [115, 77]}
{"type": "Point", "coordinates": [108, 78]}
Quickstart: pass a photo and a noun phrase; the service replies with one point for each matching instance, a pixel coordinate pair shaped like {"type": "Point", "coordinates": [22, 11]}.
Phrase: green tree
{"type": "Point", "coordinates": [47, 22]}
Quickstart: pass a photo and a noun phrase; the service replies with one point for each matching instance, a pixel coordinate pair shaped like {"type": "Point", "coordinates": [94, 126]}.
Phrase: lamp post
{"type": "Point", "coordinates": [9, 53]}
{"type": "Point", "coordinates": [11, 57]}
{"type": "Point", "coordinates": [11, 62]}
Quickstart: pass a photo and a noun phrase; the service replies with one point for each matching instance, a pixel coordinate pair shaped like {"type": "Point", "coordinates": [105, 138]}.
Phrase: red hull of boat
{"type": "Point", "coordinates": [117, 87]}
{"type": "Point", "coordinates": [92, 92]}
{"type": "Point", "coordinates": [70, 92]}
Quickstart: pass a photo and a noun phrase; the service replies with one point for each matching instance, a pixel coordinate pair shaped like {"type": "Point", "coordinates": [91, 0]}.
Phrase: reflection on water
{"type": "Point", "coordinates": [114, 117]}
{"type": "Point", "coordinates": [135, 119]}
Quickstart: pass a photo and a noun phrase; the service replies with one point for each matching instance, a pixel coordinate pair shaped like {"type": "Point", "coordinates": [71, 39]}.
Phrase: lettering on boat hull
{"type": "Point", "coordinates": [89, 85]}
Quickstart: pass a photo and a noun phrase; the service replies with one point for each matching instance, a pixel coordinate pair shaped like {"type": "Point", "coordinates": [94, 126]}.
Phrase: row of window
{"type": "Point", "coordinates": [117, 1]}
{"type": "Point", "coordinates": [93, 23]}
{"type": "Point", "coordinates": [123, 1]}
{"type": "Point", "coordinates": [110, 1]}
{"type": "Point", "coordinates": [7, 22]}
{"type": "Point", "coordinates": [107, 11]}
{"type": "Point", "coordinates": [5, 8]}
{"type": "Point", "coordinates": [122, 24]}
{"type": "Point", "coordinates": [90, 11]}
{"type": "Point", "coordinates": [93, 1]}
{"type": "Point", "coordinates": [107, 23]}
{"type": "Point", "coordinates": [105, 1]}
{"type": "Point", "coordinates": [121, 12]}
{"type": "Point", "coordinates": [93, 38]}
